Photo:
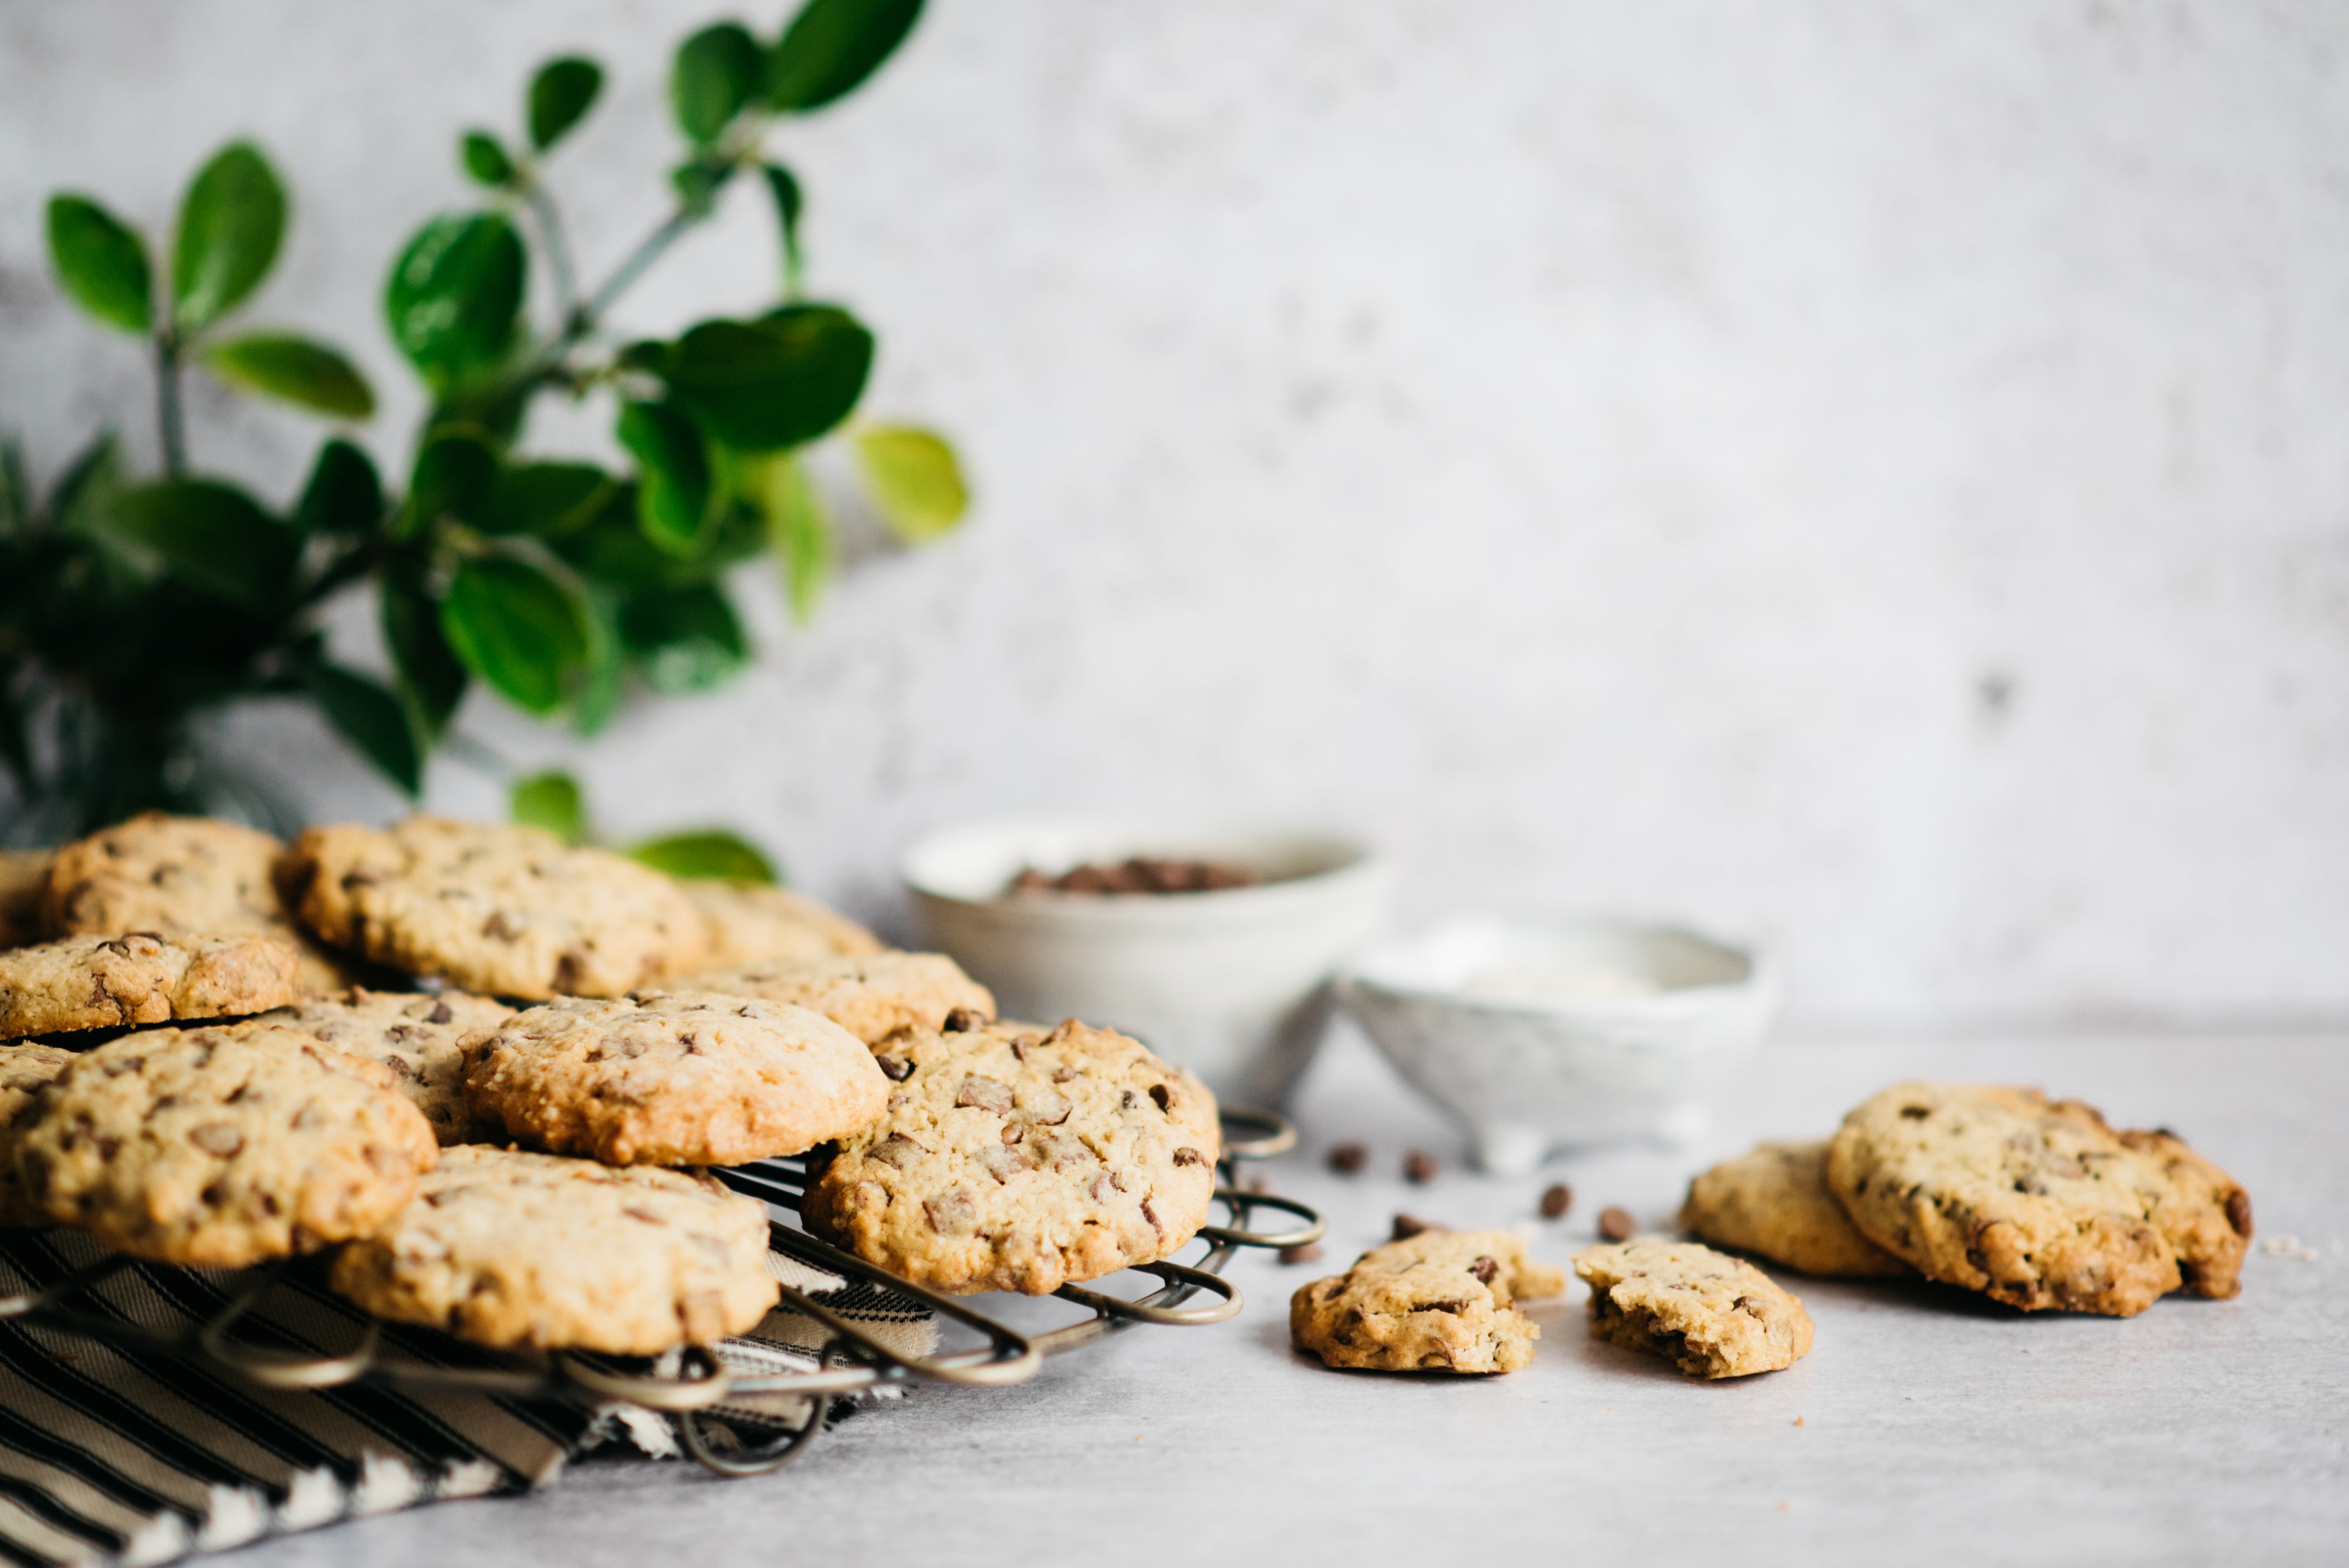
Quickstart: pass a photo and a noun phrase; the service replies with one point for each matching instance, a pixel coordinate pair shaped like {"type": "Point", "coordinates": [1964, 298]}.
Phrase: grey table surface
{"type": "Point", "coordinates": [1922, 1423]}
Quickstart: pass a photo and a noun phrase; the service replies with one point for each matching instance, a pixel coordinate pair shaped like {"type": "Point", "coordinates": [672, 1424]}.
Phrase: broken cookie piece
{"type": "Point", "coordinates": [1442, 1300]}
{"type": "Point", "coordinates": [1710, 1315]}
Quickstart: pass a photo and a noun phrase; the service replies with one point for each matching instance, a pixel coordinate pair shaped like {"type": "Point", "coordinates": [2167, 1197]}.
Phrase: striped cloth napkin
{"type": "Point", "coordinates": [114, 1455]}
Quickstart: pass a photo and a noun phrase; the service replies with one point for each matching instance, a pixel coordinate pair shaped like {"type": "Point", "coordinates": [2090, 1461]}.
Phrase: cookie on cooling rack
{"type": "Point", "coordinates": [873, 996]}
{"type": "Point", "coordinates": [181, 875]}
{"type": "Point", "coordinates": [1774, 1201]}
{"type": "Point", "coordinates": [220, 1147]}
{"type": "Point", "coordinates": [750, 922]}
{"type": "Point", "coordinates": [1015, 1159]}
{"type": "Point", "coordinates": [111, 982]}
{"type": "Point", "coordinates": [533, 1251]}
{"type": "Point", "coordinates": [1442, 1300]}
{"type": "Point", "coordinates": [672, 1078]}
{"type": "Point", "coordinates": [25, 1070]}
{"type": "Point", "coordinates": [500, 909]}
{"type": "Point", "coordinates": [418, 1037]}
{"type": "Point", "coordinates": [1710, 1315]}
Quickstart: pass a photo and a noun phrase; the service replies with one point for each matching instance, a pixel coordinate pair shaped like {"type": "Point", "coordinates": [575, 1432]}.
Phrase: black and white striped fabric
{"type": "Point", "coordinates": [111, 1454]}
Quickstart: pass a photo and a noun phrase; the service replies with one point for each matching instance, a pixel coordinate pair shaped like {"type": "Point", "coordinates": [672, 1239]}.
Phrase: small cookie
{"type": "Point", "coordinates": [24, 1071]}
{"type": "Point", "coordinates": [108, 982]}
{"type": "Point", "coordinates": [180, 875]}
{"type": "Point", "coordinates": [1710, 1315]}
{"type": "Point", "coordinates": [750, 922]}
{"type": "Point", "coordinates": [222, 1147]}
{"type": "Point", "coordinates": [872, 995]}
{"type": "Point", "coordinates": [1775, 1202]}
{"type": "Point", "coordinates": [2034, 1202]}
{"type": "Point", "coordinates": [24, 877]}
{"type": "Point", "coordinates": [673, 1078]}
{"type": "Point", "coordinates": [501, 909]}
{"type": "Point", "coordinates": [1014, 1161]}
{"type": "Point", "coordinates": [419, 1037]}
{"type": "Point", "coordinates": [533, 1251]}
{"type": "Point", "coordinates": [1439, 1302]}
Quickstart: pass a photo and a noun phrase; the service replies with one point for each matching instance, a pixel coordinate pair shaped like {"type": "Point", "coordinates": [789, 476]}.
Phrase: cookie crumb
{"type": "Point", "coordinates": [1617, 1224]}
{"type": "Point", "coordinates": [2288, 1247]}
{"type": "Point", "coordinates": [1419, 1166]}
{"type": "Point", "coordinates": [1348, 1158]}
{"type": "Point", "coordinates": [1310, 1252]}
{"type": "Point", "coordinates": [1798, 1421]}
{"type": "Point", "coordinates": [1555, 1201]}
{"type": "Point", "coordinates": [1409, 1225]}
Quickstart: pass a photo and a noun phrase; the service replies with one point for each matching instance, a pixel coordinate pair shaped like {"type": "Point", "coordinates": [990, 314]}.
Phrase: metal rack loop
{"type": "Point", "coordinates": [1181, 1282]}
{"type": "Point", "coordinates": [1241, 1202]}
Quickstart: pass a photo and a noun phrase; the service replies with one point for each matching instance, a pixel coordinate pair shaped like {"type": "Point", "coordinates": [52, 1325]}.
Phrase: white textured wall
{"type": "Point", "coordinates": [1874, 476]}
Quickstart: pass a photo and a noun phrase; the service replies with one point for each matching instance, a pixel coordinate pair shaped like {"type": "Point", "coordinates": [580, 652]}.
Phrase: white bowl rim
{"type": "Point", "coordinates": [1760, 974]}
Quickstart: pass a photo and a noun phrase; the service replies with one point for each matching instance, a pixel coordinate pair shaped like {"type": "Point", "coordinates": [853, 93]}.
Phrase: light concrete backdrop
{"type": "Point", "coordinates": [1871, 476]}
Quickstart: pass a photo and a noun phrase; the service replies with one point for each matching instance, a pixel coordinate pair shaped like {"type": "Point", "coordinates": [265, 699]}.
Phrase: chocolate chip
{"type": "Point", "coordinates": [1555, 1201]}
{"type": "Point", "coordinates": [217, 1138]}
{"type": "Point", "coordinates": [1915, 1112]}
{"type": "Point", "coordinates": [958, 1021]}
{"type": "Point", "coordinates": [1617, 1224]}
{"type": "Point", "coordinates": [1062, 1074]}
{"type": "Point", "coordinates": [1441, 1306]}
{"type": "Point", "coordinates": [2239, 1212]}
{"type": "Point", "coordinates": [985, 1094]}
{"type": "Point", "coordinates": [897, 1150]}
{"type": "Point", "coordinates": [439, 1013]}
{"type": "Point", "coordinates": [1189, 1155]}
{"type": "Point", "coordinates": [896, 1069]}
{"type": "Point", "coordinates": [1406, 1226]}
{"type": "Point", "coordinates": [1164, 1095]}
{"type": "Point", "coordinates": [1485, 1269]}
{"type": "Point", "coordinates": [1348, 1158]}
{"type": "Point", "coordinates": [1011, 1131]}
{"type": "Point", "coordinates": [1419, 1166]}
{"type": "Point", "coordinates": [1310, 1252]}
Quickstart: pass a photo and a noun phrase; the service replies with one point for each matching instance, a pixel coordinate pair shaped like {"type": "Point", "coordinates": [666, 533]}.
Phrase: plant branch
{"type": "Point", "coordinates": [168, 419]}
{"type": "Point", "coordinates": [558, 251]}
{"type": "Point", "coordinates": [628, 271]}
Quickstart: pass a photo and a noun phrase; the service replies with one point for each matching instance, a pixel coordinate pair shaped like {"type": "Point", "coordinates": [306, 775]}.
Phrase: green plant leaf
{"type": "Point", "coordinates": [485, 158]}
{"type": "Point", "coordinates": [683, 640]}
{"type": "Point", "coordinates": [603, 682]}
{"type": "Point", "coordinates": [102, 262]}
{"type": "Point", "coordinates": [714, 856]}
{"type": "Point", "coordinates": [914, 479]}
{"type": "Point", "coordinates": [799, 532]}
{"type": "Point", "coordinates": [231, 224]}
{"type": "Point", "coordinates": [452, 478]}
{"type": "Point", "coordinates": [673, 489]}
{"type": "Point", "coordinates": [344, 494]}
{"type": "Point", "coordinates": [431, 681]}
{"type": "Point", "coordinates": [698, 184]}
{"type": "Point", "coordinates": [82, 500]}
{"type": "Point", "coordinates": [15, 489]}
{"type": "Point", "coordinates": [782, 381]}
{"type": "Point", "coordinates": [295, 370]}
{"type": "Point", "coordinates": [717, 72]}
{"type": "Point", "coordinates": [552, 801]}
{"type": "Point", "coordinates": [789, 204]}
{"type": "Point", "coordinates": [515, 627]}
{"type": "Point", "coordinates": [211, 536]}
{"type": "Point", "coordinates": [371, 718]}
{"type": "Point", "coordinates": [545, 498]}
{"type": "Point", "coordinates": [831, 47]}
{"type": "Point", "coordinates": [455, 294]}
{"type": "Point", "coordinates": [560, 97]}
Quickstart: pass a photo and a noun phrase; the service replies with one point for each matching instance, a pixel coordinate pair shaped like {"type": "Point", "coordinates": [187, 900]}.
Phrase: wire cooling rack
{"type": "Point", "coordinates": [733, 1421]}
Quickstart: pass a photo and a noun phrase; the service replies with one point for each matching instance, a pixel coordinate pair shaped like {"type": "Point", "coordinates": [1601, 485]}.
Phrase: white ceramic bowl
{"type": "Point", "coordinates": [1545, 1033]}
{"type": "Point", "coordinates": [1231, 985]}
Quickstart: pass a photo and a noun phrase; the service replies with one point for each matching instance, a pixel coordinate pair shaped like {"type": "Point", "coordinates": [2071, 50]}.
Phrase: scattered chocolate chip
{"type": "Point", "coordinates": [1555, 1201]}
{"type": "Point", "coordinates": [1617, 1224]}
{"type": "Point", "coordinates": [1348, 1158]}
{"type": "Point", "coordinates": [1308, 1253]}
{"type": "Point", "coordinates": [1485, 1269]}
{"type": "Point", "coordinates": [1406, 1226]}
{"type": "Point", "coordinates": [896, 1069]}
{"type": "Point", "coordinates": [958, 1021]}
{"type": "Point", "coordinates": [1419, 1166]}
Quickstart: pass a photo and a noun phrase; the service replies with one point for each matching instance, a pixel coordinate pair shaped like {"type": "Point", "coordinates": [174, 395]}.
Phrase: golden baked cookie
{"type": "Point", "coordinates": [1014, 1159]}
{"type": "Point", "coordinates": [220, 1147]}
{"type": "Point", "coordinates": [672, 1078]}
{"type": "Point", "coordinates": [1775, 1202]}
{"type": "Point", "coordinates": [1442, 1300]}
{"type": "Point", "coordinates": [110, 983]}
{"type": "Point", "coordinates": [872, 995]}
{"type": "Point", "coordinates": [533, 1251]}
{"type": "Point", "coordinates": [24, 1071]}
{"type": "Point", "coordinates": [1710, 1315]}
{"type": "Point", "coordinates": [24, 878]}
{"type": "Point", "coordinates": [419, 1037]}
{"type": "Point", "coordinates": [752, 923]}
{"type": "Point", "coordinates": [2034, 1202]}
{"type": "Point", "coordinates": [181, 875]}
{"type": "Point", "coordinates": [497, 908]}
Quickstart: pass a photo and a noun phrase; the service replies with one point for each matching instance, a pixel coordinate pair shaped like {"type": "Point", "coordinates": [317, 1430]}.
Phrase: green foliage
{"type": "Point", "coordinates": [713, 856]}
{"type": "Point", "coordinates": [130, 607]}
{"type": "Point", "coordinates": [552, 801]}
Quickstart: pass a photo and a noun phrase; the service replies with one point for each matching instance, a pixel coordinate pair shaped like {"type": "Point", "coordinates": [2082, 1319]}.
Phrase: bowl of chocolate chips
{"type": "Point", "coordinates": [1213, 946]}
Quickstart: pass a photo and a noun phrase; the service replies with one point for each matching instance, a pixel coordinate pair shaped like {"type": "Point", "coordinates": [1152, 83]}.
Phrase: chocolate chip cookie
{"type": "Point", "coordinates": [673, 1078]}
{"type": "Point", "coordinates": [1774, 1201]}
{"type": "Point", "coordinates": [1014, 1159]}
{"type": "Point", "coordinates": [533, 1251]}
{"type": "Point", "coordinates": [419, 1038]}
{"type": "Point", "coordinates": [500, 909]}
{"type": "Point", "coordinates": [1442, 1300]}
{"type": "Point", "coordinates": [872, 995]}
{"type": "Point", "coordinates": [110, 983]}
{"type": "Point", "coordinates": [752, 923]}
{"type": "Point", "coordinates": [24, 1071]}
{"type": "Point", "coordinates": [220, 1147]}
{"type": "Point", "coordinates": [24, 878]}
{"type": "Point", "coordinates": [1710, 1315]}
{"type": "Point", "coordinates": [2034, 1202]}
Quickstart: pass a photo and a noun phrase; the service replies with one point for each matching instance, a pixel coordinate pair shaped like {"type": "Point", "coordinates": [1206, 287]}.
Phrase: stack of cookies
{"type": "Point", "coordinates": [490, 1070]}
